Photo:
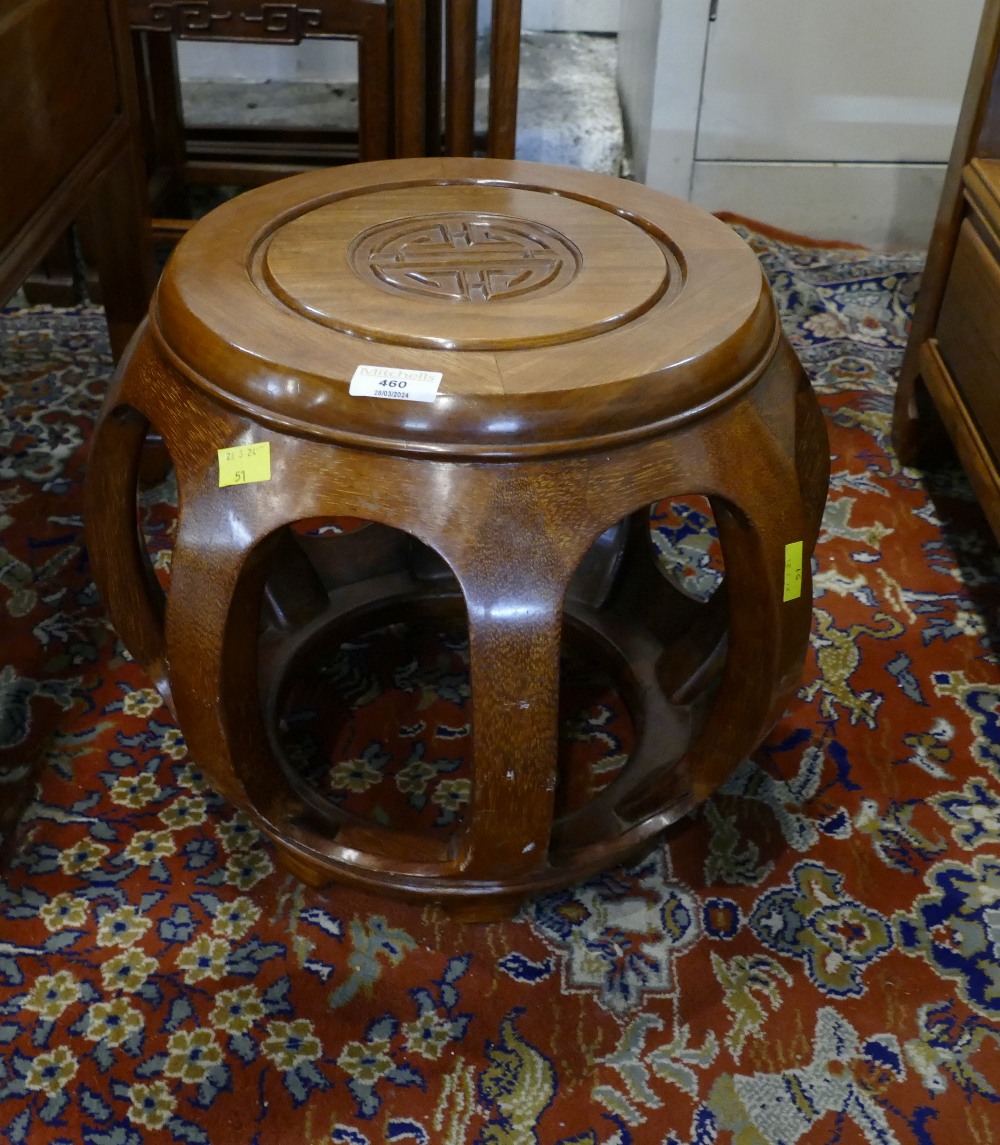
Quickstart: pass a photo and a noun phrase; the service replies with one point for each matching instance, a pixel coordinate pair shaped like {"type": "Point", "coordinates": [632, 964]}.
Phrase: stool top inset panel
{"type": "Point", "coordinates": [465, 267]}
{"type": "Point", "coordinates": [564, 310]}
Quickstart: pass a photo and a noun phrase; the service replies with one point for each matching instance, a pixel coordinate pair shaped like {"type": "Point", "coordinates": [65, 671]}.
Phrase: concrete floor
{"type": "Point", "coordinates": [568, 108]}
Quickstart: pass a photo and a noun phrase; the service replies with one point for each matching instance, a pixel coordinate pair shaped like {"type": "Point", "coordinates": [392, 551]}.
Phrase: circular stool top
{"type": "Point", "coordinates": [563, 310]}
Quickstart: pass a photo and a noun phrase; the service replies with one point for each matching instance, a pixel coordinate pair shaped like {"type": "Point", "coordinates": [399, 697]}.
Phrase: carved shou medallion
{"type": "Point", "coordinates": [467, 258]}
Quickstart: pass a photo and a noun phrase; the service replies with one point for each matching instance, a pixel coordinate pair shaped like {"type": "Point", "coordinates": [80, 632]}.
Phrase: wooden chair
{"type": "Point", "coordinates": [390, 60]}
{"type": "Point", "coordinates": [460, 78]}
{"type": "Point", "coordinates": [63, 154]}
{"type": "Point", "coordinates": [446, 116]}
{"type": "Point", "coordinates": [408, 91]}
{"type": "Point", "coordinates": [402, 75]}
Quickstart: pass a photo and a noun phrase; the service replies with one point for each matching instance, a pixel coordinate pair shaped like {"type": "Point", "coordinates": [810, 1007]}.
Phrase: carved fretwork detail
{"type": "Point", "coordinates": [468, 258]}
{"type": "Point", "coordinates": [178, 19]}
{"type": "Point", "coordinates": [209, 19]}
{"type": "Point", "coordinates": [286, 21]}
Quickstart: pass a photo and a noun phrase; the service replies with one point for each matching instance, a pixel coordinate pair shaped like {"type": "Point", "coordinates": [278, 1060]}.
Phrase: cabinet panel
{"type": "Point", "coordinates": [861, 80]}
{"type": "Point", "coordinates": [877, 204]}
{"type": "Point", "coordinates": [57, 99]}
{"type": "Point", "coordinates": [968, 335]}
{"type": "Point", "coordinates": [953, 351]}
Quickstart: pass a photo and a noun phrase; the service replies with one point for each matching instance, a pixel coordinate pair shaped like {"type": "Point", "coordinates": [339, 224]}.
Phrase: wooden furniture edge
{"type": "Point", "coordinates": [972, 450]}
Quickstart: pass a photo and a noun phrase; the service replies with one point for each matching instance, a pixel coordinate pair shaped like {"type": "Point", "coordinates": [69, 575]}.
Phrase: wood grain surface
{"type": "Point", "coordinates": [515, 504]}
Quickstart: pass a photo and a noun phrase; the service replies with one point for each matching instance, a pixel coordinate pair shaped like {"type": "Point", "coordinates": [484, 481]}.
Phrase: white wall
{"type": "Point", "coordinates": [875, 81]}
{"type": "Point", "coordinates": [569, 15]}
{"type": "Point", "coordinates": [335, 61]}
{"type": "Point", "coordinates": [638, 41]}
{"type": "Point", "coordinates": [661, 55]}
{"type": "Point", "coordinates": [832, 118]}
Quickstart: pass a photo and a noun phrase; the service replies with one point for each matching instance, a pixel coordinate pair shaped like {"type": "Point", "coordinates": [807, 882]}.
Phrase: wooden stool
{"type": "Point", "coordinates": [600, 347]}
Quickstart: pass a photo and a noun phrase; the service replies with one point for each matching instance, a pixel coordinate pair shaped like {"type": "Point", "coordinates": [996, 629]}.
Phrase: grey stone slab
{"type": "Point", "coordinates": [568, 107]}
{"type": "Point", "coordinates": [568, 111]}
{"type": "Point", "coordinates": [270, 103]}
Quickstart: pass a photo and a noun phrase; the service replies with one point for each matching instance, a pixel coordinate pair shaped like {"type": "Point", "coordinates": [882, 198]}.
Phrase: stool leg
{"type": "Point", "coordinates": [522, 539]}
{"type": "Point", "coordinates": [120, 561]}
{"type": "Point", "coordinates": [768, 635]}
{"type": "Point", "coordinates": [213, 613]}
{"type": "Point", "coordinates": [755, 480]}
{"type": "Point", "coordinates": [514, 652]}
{"type": "Point", "coordinates": [812, 452]}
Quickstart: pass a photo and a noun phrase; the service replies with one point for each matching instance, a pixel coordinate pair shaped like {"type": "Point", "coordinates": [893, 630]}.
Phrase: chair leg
{"type": "Point", "coordinates": [374, 87]}
{"type": "Point", "coordinates": [118, 233]}
{"type": "Point", "coordinates": [505, 64]}
{"type": "Point", "coordinates": [460, 77]}
{"type": "Point", "coordinates": [412, 76]}
{"type": "Point", "coordinates": [54, 281]}
{"type": "Point", "coordinates": [160, 100]}
{"type": "Point", "coordinates": [433, 64]}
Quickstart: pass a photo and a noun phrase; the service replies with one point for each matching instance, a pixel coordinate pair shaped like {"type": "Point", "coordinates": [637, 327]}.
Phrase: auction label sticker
{"type": "Point", "coordinates": [244, 464]}
{"type": "Point", "coordinates": [396, 385]}
{"type": "Point", "coordinates": [793, 571]}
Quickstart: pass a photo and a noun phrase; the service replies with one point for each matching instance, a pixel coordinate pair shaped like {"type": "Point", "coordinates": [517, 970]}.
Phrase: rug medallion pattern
{"type": "Point", "coordinates": [813, 957]}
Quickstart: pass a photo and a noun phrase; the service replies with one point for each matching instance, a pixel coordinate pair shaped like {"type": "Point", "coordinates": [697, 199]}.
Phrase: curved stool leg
{"type": "Point", "coordinates": [768, 635]}
{"type": "Point", "coordinates": [213, 614]}
{"type": "Point", "coordinates": [514, 560]}
{"type": "Point", "coordinates": [122, 569]}
{"type": "Point", "coordinates": [513, 738]}
{"type": "Point", "coordinates": [812, 457]}
{"type": "Point", "coordinates": [759, 470]}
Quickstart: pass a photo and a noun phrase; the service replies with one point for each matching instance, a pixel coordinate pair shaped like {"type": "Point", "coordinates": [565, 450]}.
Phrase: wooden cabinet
{"type": "Point", "coordinates": [68, 145]}
{"type": "Point", "coordinates": [953, 355]}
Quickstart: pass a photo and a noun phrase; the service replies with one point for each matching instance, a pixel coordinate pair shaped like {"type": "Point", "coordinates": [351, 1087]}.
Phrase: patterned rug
{"type": "Point", "coordinates": [813, 957]}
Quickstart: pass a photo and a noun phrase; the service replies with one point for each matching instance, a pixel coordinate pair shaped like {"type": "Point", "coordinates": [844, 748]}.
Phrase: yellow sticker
{"type": "Point", "coordinates": [793, 571]}
{"type": "Point", "coordinates": [244, 464]}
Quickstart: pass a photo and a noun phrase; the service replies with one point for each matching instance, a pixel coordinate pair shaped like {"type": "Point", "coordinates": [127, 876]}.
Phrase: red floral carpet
{"type": "Point", "coordinates": [814, 957]}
